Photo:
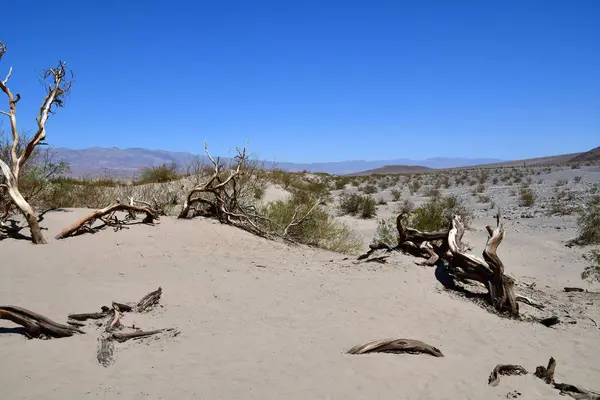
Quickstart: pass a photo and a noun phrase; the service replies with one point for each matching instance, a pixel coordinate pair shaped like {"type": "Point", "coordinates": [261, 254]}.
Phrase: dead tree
{"type": "Point", "coordinates": [84, 223]}
{"type": "Point", "coordinates": [58, 84]}
{"type": "Point", "coordinates": [446, 245]}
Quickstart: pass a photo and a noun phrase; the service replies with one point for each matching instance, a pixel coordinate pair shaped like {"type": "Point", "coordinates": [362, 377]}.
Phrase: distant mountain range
{"type": "Point", "coordinates": [124, 163]}
{"type": "Point", "coordinates": [119, 163]}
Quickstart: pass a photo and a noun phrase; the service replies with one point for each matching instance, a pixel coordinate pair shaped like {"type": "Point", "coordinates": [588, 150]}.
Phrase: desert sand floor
{"type": "Point", "coordinates": [263, 320]}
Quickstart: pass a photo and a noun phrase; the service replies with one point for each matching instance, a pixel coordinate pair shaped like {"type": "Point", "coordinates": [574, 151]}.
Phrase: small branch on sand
{"type": "Point", "coordinates": [396, 346]}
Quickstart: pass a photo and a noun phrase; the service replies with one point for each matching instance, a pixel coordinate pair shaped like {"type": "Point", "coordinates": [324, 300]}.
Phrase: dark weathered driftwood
{"type": "Point", "coordinates": [505, 369]}
{"type": "Point", "coordinates": [80, 224]}
{"type": "Point", "coordinates": [447, 245]}
{"type": "Point", "coordinates": [36, 325]}
{"type": "Point", "coordinates": [396, 346]}
{"type": "Point", "coordinates": [149, 300]}
{"type": "Point", "coordinates": [547, 375]}
{"type": "Point", "coordinates": [125, 336]}
{"type": "Point", "coordinates": [489, 271]}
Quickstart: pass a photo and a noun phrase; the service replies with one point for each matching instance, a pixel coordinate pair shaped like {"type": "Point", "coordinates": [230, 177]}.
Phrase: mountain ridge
{"type": "Point", "coordinates": [127, 162]}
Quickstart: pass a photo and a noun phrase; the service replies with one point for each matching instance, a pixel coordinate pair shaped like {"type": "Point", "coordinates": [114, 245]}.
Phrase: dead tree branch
{"type": "Point", "coordinates": [36, 325]}
{"type": "Point", "coordinates": [396, 346]}
{"type": "Point", "coordinates": [58, 84]}
{"type": "Point", "coordinates": [84, 223]}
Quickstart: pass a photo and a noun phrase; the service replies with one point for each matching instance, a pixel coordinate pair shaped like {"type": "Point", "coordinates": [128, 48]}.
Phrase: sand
{"type": "Point", "coordinates": [262, 319]}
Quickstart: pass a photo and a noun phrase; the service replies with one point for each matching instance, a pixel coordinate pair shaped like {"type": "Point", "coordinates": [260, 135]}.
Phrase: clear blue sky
{"type": "Point", "coordinates": [315, 80]}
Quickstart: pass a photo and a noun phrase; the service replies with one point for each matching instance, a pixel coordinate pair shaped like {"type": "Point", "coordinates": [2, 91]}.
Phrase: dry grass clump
{"type": "Point", "coordinates": [363, 206]}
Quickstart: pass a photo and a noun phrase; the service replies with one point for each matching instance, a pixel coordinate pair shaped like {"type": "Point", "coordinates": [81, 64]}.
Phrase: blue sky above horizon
{"type": "Point", "coordinates": [315, 81]}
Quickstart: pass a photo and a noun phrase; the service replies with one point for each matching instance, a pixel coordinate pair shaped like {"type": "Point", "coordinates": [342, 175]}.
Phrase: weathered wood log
{"type": "Point", "coordinates": [489, 271]}
{"type": "Point", "coordinates": [546, 373]}
{"type": "Point", "coordinates": [505, 369]}
{"type": "Point", "coordinates": [36, 325]}
{"type": "Point", "coordinates": [125, 336]}
{"type": "Point", "coordinates": [396, 346]}
{"type": "Point", "coordinates": [149, 300]}
{"type": "Point", "coordinates": [151, 215]}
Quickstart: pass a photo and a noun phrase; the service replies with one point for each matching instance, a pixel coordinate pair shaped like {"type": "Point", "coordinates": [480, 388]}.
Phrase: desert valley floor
{"type": "Point", "coordinates": [261, 319]}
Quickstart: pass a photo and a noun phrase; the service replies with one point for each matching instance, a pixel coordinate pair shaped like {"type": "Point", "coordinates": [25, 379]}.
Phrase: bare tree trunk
{"type": "Point", "coordinates": [29, 214]}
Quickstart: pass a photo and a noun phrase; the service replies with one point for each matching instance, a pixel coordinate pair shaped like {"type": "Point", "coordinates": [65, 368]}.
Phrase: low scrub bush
{"type": "Point", "coordinates": [589, 222]}
{"type": "Point", "coordinates": [158, 174]}
{"type": "Point", "coordinates": [438, 212]}
{"type": "Point", "coordinates": [396, 195]}
{"type": "Point", "coordinates": [386, 232]}
{"type": "Point", "coordinates": [527, 197]}
{"type": "Point", "coordinates": [358, 206]}
{"type": "Point", "coordinates": [319, 229]}
{"type": "Point", "coordinates": [370, 189]}
{"type": "Point", "coordinates": [591, 273]}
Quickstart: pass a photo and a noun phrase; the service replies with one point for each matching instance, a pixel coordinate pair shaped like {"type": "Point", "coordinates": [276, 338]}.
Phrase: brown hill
{"type": "Point", "coordinates": [592, 155]}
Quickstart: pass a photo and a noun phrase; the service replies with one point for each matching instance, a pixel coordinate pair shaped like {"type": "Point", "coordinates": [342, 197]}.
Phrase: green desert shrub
{"type": "Point", "coordinates": [589, 222]}
{"type": "Point", "coordinates": [396, 195]}
{"type": "Point", "coordinates": [359, 206]}
{"type": "Point", "coordinates": [526, 197]}
{"type": "Point", "coordinates": [319, 229]}
{"type": "Point", "coordinates": [386, 232]}
{"type": "Point", "coordinates": [158, 174]}
{"type": "Point", "coordinates": [437, 213]}
{"type": "Point", "coordinates": [370, 189]}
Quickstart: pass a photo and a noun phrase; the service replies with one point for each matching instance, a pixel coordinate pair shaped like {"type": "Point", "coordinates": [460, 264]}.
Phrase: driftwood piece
{"type": "Point", "coordinates": [149, 300]}
{"type": "Point", "coordinates": [489, 271]}
{"type": "Point", "coordinates": [547, 375]}
{"type": "Point", "coordinates": [125, 336]}
{"type": "Point", "coordinates": [396, 346]}
{"type": "Point", "coordinates": [36, 325]}
{"type": "Point", "coordinates": [505, 369]}
{"type": "Point", "coordinates": [573, 289]}
{"type": "Point", "coordinates": [79, 225]}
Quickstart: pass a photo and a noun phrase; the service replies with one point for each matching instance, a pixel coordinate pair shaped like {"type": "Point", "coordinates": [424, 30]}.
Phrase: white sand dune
{"type": "Point", "coordinates": [263, 320]}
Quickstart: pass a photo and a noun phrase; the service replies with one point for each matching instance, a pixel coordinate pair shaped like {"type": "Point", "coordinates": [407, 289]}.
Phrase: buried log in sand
{"type": "Point", "coordinates": [410, 346]}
